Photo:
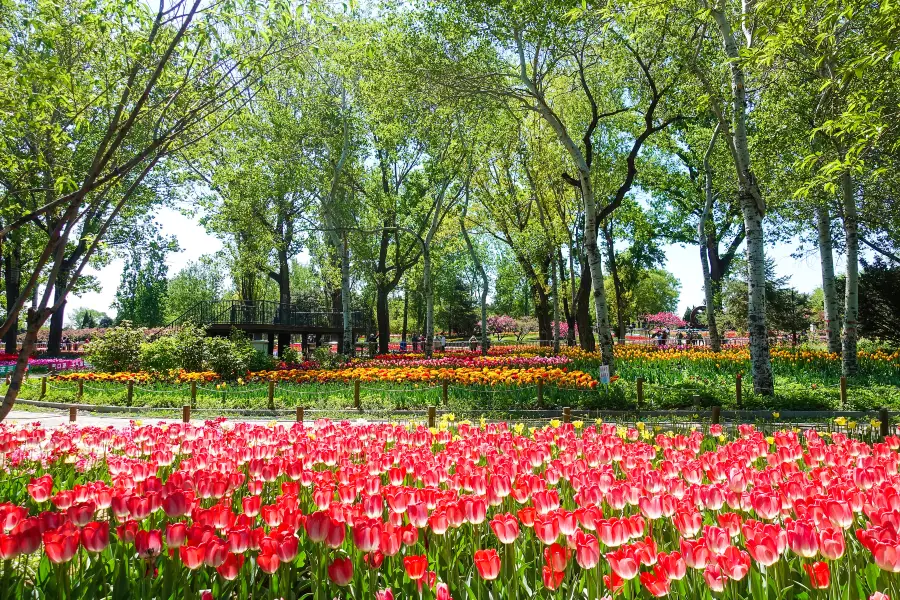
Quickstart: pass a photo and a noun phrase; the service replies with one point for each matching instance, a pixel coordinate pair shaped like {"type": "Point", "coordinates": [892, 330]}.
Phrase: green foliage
{"type": "Point", "coordinates": [328, 359]}
{"type": "Point", "coordinates": [140, 298]}
{"type": "Point", "coordinates": [160, 355]}
{"type": "Point", "coordinates": [87, 318]}
{"type": "Point", "coordinates": [203, 280]}
{"type": "Point", "coordinates": [289, 355]}
{"type": "Point", "coordinates": [118, 349]}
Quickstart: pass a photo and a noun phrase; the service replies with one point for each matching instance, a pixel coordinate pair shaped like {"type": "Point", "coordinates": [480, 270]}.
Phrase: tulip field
{"type": "Point", "coordinates": [332, 509]}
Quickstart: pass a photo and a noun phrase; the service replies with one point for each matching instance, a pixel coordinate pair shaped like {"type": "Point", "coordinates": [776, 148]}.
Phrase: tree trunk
{"type": "Point", "coordinates": [555, 284]}
{"type": "Point", "coordinates": [617, 282]}
{"type": "Point", "coordinates": [570, 311]}
{"type": "Point", "coordinates": [753, 209]}
{"type": "Point", "coordinates": [542, 313]}
{"type": "Point", "coordinates": [12, 274]}
{"type": "Point", "coordinates": [583, 311]}
{"type": "Point", "coordinates": [484, 278]}
{"type": "Point", "coordinates": [54, 336]}
{"type": "Point", "coordinates": [34, 322]}
{"type": "Point", "coordinates": [760, 359]}
{"type": "Point", "coordinates": [851, 295]}
{"type": "Point", "coordinates": [429, 303]}
{"type": "Point", "coordinates": [284, 298]}
{"type": "Point", "coordinates": [714, 340]}
{"type": "Point", "coordinates": [349, 341]}
{"type": "Point", "coordinates": [405, 314]}
{"type": "Point", "coordinates": [383, 317]}
{"type": "Point", "coordinates": [829, 290]}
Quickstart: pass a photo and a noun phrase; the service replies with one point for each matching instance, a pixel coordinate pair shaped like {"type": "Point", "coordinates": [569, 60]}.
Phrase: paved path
{"type": "Point", "coordinates": [54, 418]}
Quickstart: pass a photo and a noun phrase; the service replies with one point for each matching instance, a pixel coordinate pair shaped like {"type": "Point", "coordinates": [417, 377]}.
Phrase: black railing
{"type": "Point", "coordinates": [264, 312]}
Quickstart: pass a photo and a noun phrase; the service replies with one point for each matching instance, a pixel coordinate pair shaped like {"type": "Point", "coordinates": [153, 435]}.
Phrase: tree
{"type": "Point", "coordinates": [879, 301]}
{"type": "Point", "coordinates": [141, 297]}
{"type": "Point", "coordinates": [166, 83]}
{"type": "Point", "coordinates": [203, 280]}
{"type": "Point", "coordinates": [87, 318]}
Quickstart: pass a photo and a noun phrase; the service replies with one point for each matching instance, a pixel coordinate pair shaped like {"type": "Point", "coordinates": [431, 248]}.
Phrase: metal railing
{"type": "Point", "coordinates": [264, 312]}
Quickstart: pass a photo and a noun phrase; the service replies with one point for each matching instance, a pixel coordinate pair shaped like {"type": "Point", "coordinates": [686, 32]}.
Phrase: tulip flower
{"type": "Point", "coordinates": [95, 536]}
{"type": "Point", "coordinates": [819, 575]}
{"type": "Point", "coordinates": [714, 578]}
{"type": "Point", "coordinates": [61, 544]}
{"type": "Point", "coordinates": [415, 566]}
{"type": "Point", "coordinates": [734, 563]}
{"type": "Point", "coordinates": [831, 543]}
{"type": "Point", "coordinates": [148, 544]}
{"type": "Point", "coordinates": [624, 562]}
{"type": "Point", "coordinates": [552, 579]}
{"type": "Point", "coordinates": [657, 582]}
{"type": "Point", "coordinates": [487, 563]}
{"type": "Point", "coordinates": [673, 564]}
{"type": "Point", "coordinates": [506, 528]}
{"type": "Point", "coordinates": [340, 571]}
{"type": "Point", "coordinates": [587, 550]}
{"type": "Point", "coordinates": [231, 567]}
{"type": "Point", "coordinates": [556, 557]}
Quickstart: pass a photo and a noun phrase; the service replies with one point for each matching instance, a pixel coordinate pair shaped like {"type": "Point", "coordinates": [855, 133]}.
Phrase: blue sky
{"type": "Point", "coordinates": [682, 261]}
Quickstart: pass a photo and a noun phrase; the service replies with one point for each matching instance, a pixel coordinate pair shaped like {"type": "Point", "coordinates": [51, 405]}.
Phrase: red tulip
{"type": "Point", "coordinates": [831, 543]}
{"type": "Point", "coordinates": [251, 505]}
{"type": "Point", "coordinates": [887, 557]}
{"type": "Point", "coordinates": [81, 514]}
{"type": "Point", "coordinates": [367, 535]}
{"type": "Point", "coordinates": [487, 562]}
{"type": "Point", "coordinates": [819, 575]}
{"type": "Point", "coordinates": [715, 579]}
{"type": "Point", "coordinates": [613, 582]}
{"type": "Point", "coordinates": [386, 594]}
{"type": "Point", "coordinates": [674, 565]}
{"type": "Point", "coordinates": [552, 579]}
{"type": "Point", "coordinates": [148, 543]}
{"type": "Point", "coordinates": [340, 571]}
{"type": "Point", "coordinates": [587, 550]}
{"type": "Point", "coordinates": [556, 557]}
{"type": "Point", "coordinates": [41, 488]}
{"type": "Point", "coordinates": [317, 526]}
{"type": "Point", "coordinates": [657, 583]}
{"type": "Point", "coordinates": [415, 566]}
{"type": "Point", "coordinates": [546, 528]}
{"type": "Point", "coordinates": [734, 563]}
{"type": "Point", "coordinates": [505, 527]}
{"type": "Point", "coordinates": [215, 552]}
{"type": "Point", "coordinates": [374, 560]}
{"type": "Point", "coordinates": [95, 536]}
{"type": "Point", "coordinates": [231, 568]}
{"type": "Point", "coordinates": [268, 562]}
{"type": "Point", "coordinates": [175, 505]}
{"type": "Point", "coordinates": [624, 562]}
{"type": "Point", "coordinates": [61, 544]}
{"type": "Point", "coordinates": [801, 538]}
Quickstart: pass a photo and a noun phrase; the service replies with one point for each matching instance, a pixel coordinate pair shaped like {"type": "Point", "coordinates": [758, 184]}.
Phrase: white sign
{"type": "Point", "coordinates": [604, 374]}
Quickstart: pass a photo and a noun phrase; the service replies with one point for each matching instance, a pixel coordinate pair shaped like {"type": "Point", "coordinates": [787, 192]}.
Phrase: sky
{"type": "Point", "coordinates": [683, 261]}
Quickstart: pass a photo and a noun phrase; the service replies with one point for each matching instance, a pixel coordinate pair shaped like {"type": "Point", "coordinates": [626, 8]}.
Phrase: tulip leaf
{"type": "Point", "coordinates": [872, 573]}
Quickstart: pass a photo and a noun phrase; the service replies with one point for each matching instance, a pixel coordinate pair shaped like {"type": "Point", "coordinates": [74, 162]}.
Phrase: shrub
{"type": "Point", "coordinates": [289, 355]}
{"type": "Point", "coordinates": [118, 349]}
{"type": "Point", "coordinates": [226, 358]}
{"type": "Point", "coordinates": [190, 348]}
{"type": "Point", "coordinates": [160, 355]}
{"type": "Point", "coordinates": [327, 359]}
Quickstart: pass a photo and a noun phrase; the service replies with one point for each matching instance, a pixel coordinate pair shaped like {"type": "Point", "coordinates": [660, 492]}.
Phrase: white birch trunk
{"type": "Point", "coordinates": [714, 340]}
{"type": "Point", "coordinates": [555, 283]}
{"type": "Point", "coordinates": [829, 290]}
{"type": "Point", "coordinates": [753, 209]}
{"type": "Point", "coordinates": [851, 296]}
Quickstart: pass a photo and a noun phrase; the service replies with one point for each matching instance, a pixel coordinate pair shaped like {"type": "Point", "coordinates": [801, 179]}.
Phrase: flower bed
{"type": "Point", "coordinates": [454, 361]}
{"type": "Point", "coordinates": [341, 510]}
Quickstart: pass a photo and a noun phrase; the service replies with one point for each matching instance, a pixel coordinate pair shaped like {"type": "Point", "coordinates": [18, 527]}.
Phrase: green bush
{"type": "Point", "coordinates": [160, 355]}
{"type": "Point", "coordinates": [190, 348]}
{"type": "Point", "coordinates": [327, 359]}
{"type": "Point", "coordinates": [118, 349]}
{"type": "Point", "coordinates": [290, 355]}
{"type": "Point", "coordinates": [226, 358]}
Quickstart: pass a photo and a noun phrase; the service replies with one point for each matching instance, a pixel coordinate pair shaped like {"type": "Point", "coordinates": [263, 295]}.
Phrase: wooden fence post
{"type": "Point", "coordinates": [193, 393]}
{"type": "Point", "coordinates": [299, 414]}
{"type": "Point", "coordinates": [738, 392]}
{"type": "Point", "coordinates": [186, 413]}
{"type": "Point", "coordinates": [356, 404]}
{"type": "Point", "coordinates": [540, 392]}
{"type": "Point", "coordinates": [885, 418]}
{"type": "Point", "coordinates": [567, 415]}
{"type": "Point", "coordinates": [716, 414]}
{"type": "Point", "coordinates": [640, 392]}
{"type": "Point", "coordinates": [444, 392]}
{"type": "Point", "coordinates": [80, 389]}
{"type": "Point", "coordinates": [432, 416]}
{"type": "Point", "coordinates": [43, 386]}
{"type": "Point", "coordinates": [271, 395]}
{"type": "Point", "coordinates": [130, 393]}
{"type": "Point", "coordinates": [843, 393]}
{"type": "Point", "coordinates": [73, 414]}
